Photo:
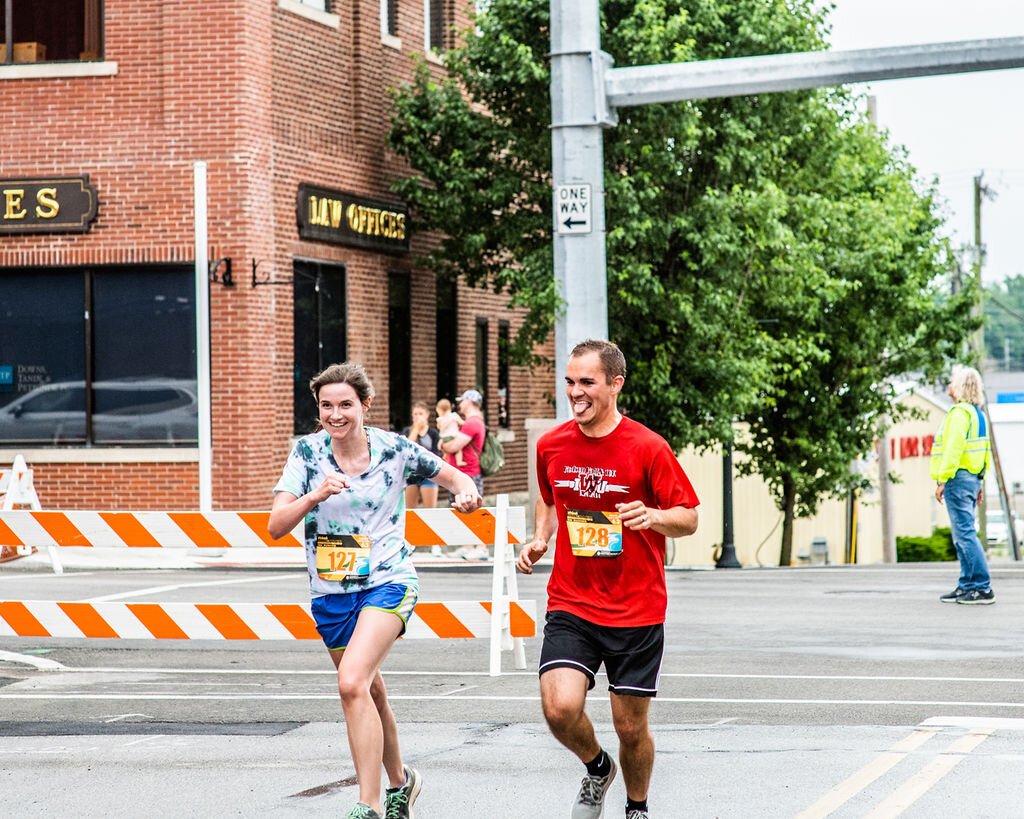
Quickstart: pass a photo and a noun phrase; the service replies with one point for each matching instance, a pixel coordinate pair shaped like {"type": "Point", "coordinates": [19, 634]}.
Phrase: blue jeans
{"type": "Point", "coordinates": [961, 499]}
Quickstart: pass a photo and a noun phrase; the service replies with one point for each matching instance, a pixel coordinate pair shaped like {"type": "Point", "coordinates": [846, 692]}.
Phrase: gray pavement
{"type": "Point", "coordinates": [844, 691]}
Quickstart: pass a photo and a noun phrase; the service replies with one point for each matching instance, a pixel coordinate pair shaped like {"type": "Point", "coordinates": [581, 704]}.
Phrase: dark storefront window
{"type": "Point", "coordinates": [51, 31]}
{"type": "Point", "coordinates": [482, 327]}
{"type": "Point", "coordinates": [504, 419]}
{"type": "Point", "coordinates": [446, 339]}
{"type": "Point", "coordinates": [98, 356]}
{"type": "Point", "coordinates": [399, 351]}
{"type": "Point", "coordinates": [319, 331]}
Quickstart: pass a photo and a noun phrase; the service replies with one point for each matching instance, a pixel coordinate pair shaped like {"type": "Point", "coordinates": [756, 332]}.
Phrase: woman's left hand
{"type": "Point", "coordinates": [466, 501]}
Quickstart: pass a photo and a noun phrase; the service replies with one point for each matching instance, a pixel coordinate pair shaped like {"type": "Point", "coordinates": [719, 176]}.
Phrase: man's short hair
{"type": "Point", "coordinates": [613, 362]}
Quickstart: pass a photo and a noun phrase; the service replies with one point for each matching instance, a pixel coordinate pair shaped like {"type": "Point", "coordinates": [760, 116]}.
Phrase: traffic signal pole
{"type": "Point", "coordinates": [586, 91]}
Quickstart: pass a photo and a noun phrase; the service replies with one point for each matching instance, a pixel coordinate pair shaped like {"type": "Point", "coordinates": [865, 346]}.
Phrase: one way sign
{"type": "Point", "coordinates": [572, 209]}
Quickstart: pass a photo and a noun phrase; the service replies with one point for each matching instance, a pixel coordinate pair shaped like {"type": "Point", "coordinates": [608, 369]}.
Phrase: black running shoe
{"type": "Point", "coordinates": [954, 595]}
{"type": "Point", "coordinates": [977, 597]}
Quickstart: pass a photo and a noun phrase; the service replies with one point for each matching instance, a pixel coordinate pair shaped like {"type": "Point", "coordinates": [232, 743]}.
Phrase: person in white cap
{"type": "Point", "coordinates": [469, 440]}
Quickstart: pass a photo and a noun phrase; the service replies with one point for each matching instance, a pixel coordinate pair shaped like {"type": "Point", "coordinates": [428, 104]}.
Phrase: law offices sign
{"type": "Point", "coordinates": [339, 217]}
{"type": "Point", "coordinates": [57, 204]}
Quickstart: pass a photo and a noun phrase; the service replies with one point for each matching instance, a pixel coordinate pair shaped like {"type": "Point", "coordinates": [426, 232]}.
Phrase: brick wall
{"type": "Point", "coordinates": [124, 486]}
{"type": "Point", "coordinates": [269, 99]}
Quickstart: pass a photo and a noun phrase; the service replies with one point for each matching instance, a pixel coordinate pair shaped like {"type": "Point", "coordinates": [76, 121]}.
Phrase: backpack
{"type": "Point", "coordinates": [492, 456]}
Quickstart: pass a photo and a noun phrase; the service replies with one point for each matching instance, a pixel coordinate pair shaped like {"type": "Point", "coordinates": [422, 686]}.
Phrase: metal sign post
{"type": "Point", "coordinates": [578, 114]}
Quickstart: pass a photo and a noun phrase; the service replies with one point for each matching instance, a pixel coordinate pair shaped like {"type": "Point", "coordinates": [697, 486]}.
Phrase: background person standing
{"type": "Point", "coordinates": [424, 493]}
{"type": "Point", "coordinates": [469, 440]}
{"type": "Point", "coordinates": [960, 456]}
{"type": "Point", "coordinates": [612, 490]}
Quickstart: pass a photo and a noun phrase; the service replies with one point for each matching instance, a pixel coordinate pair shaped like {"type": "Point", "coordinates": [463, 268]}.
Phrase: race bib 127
{"type": "Point", "coordinates": [343, 557]}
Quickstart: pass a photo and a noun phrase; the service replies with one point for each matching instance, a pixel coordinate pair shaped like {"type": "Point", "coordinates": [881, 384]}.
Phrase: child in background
{"type": "Point", "coordinates": [448, 423]}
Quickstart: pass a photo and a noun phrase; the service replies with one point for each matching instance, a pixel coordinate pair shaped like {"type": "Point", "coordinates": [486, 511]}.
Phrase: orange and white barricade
{"type": "Point", "coordinates": [504, 619]}
{"type": "Point", "coordinates": [225, 530]}
{"type": "Point", "coordinates": [18, 491]}
{"type": "Point", "coordinates": [235, 621]}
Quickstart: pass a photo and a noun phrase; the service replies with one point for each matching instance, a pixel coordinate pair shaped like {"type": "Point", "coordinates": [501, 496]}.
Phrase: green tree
{"type": "Point", "coordinates": [1004, 322]}
{"type": "Point", "coordinates": [746, 236]}
{"type": "Point", "coordinates": [876, 316]}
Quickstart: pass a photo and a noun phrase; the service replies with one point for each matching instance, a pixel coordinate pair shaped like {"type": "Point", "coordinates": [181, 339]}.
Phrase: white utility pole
{"type": "Point", "coordinates": [203, 339]}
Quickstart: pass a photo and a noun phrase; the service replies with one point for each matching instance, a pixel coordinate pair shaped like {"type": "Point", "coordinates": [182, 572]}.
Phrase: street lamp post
{"type": "Point", "coordinates": [727, 559]}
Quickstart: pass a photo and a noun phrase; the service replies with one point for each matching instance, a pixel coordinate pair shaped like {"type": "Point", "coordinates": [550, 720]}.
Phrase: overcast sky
{"type": "Point", "coordinates": [954, 126]}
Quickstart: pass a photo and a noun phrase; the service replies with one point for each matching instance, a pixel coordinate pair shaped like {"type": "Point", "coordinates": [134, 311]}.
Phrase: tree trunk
{"type": "Point", "coordinates": [788, 505]}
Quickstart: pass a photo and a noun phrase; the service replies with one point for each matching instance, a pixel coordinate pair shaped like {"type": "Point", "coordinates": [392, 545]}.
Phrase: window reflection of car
{"type": "Point", "coordinates": [125, 411]}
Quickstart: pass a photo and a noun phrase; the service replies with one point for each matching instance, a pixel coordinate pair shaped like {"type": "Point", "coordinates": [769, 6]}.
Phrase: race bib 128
{"type": "Point", "coordinates": [594, 534]}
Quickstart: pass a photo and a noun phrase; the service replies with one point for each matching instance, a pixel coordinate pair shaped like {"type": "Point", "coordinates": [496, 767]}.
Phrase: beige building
{"type": "Point", "coordinates": [758, 522]}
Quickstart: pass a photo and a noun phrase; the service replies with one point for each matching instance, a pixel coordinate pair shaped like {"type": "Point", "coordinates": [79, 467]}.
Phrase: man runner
{"type": "Point", "coordinates": [612, 490]}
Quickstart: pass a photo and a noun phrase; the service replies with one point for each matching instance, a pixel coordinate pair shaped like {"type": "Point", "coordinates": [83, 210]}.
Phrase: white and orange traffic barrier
{"type": "Point", "coordinates": [500, 526]}
{"type": "Point", "coordinates": [237, 621]}
{"type": "Point", "coordinates": [224, 530]}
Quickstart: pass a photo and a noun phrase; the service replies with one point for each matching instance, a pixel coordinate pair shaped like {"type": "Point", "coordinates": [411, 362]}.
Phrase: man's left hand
{"type": "Point", "coordinates": [635, 515]}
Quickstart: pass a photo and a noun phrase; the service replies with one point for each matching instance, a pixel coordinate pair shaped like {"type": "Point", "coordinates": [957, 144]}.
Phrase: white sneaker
{"type": "Point", "coordinates": [436, 550]}
{"type": "Point", "coordinates": [589, 802]}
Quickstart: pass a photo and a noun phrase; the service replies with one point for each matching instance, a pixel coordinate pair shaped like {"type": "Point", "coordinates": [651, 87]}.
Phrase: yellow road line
{"type": "Point", "coordinates": [921, 782]}
{"type": "Point", "coordinates": [882, 763]}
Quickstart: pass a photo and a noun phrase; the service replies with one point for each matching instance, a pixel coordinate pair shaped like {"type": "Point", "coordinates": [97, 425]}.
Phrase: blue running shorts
{"type": "Point", "coordinates": [336, 614]}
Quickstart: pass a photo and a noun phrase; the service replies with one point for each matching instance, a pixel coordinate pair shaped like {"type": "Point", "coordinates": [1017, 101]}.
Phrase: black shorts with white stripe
{"type": "Point", "coordinates": [632, 656]}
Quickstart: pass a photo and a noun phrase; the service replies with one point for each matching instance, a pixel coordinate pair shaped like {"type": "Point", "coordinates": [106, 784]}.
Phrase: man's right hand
{"type": "Point", "coordinates": [530, 554]}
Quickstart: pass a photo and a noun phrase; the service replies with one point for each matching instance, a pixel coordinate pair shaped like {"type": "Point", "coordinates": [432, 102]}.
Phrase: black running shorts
{"type": "Point", "coordinates": [631, 656]}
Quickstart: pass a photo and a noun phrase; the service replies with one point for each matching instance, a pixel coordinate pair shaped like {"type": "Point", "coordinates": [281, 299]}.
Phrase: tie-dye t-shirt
{"type": "Point", "coordinates": [373, 505]}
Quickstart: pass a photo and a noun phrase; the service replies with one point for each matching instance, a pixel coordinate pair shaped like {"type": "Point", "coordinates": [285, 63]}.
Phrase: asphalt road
{"type": "Point", "coordinates": [840, 691]}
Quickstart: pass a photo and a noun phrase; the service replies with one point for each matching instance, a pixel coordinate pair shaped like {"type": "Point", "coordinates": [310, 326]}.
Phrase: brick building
{"type": "Point", "coordinates": [108, 106]}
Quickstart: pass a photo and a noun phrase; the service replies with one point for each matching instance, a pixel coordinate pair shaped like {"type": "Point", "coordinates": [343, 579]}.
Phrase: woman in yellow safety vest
{"type": "Point", "coordinates": [960, 456]}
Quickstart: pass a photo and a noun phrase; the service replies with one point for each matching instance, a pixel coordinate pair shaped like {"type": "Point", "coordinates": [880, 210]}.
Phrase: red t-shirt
{"type": "Point", "coordinates": [593, 475]}
{"type": "Point", "coordinates": [475, 429]}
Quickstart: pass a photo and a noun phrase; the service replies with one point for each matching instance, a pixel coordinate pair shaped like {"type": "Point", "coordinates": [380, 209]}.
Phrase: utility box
{"type": "Point", "coordinates": [816, 553]}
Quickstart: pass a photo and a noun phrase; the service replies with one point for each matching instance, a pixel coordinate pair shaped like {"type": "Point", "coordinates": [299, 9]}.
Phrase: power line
{"type": "Point", "coordinates": [1014, 313]}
